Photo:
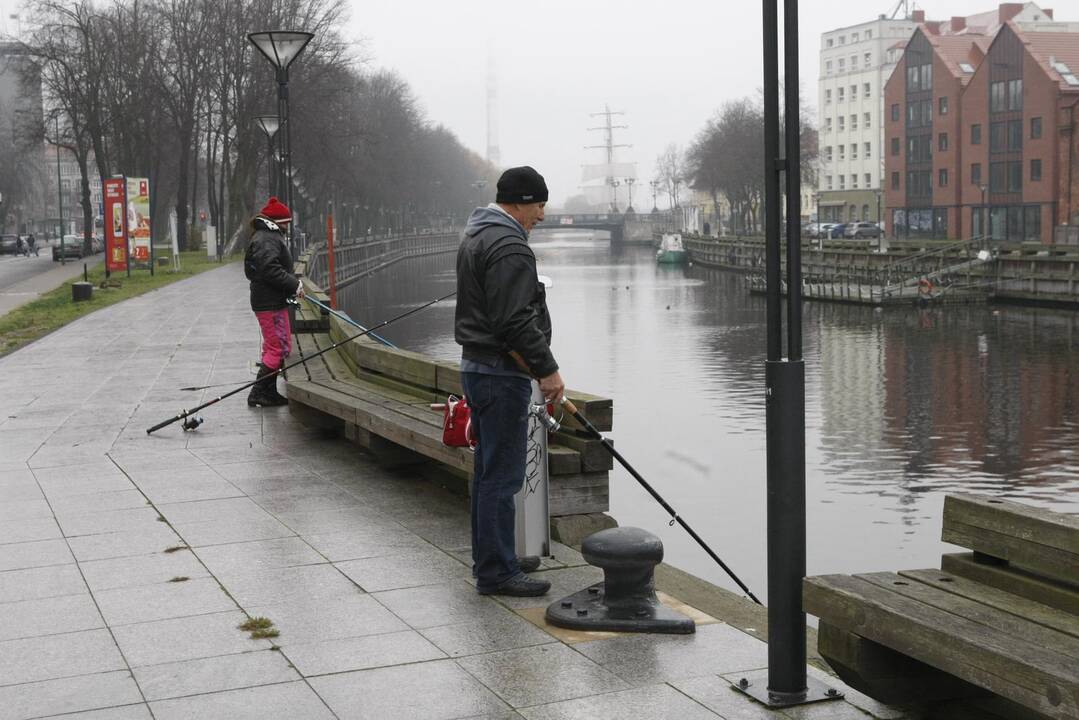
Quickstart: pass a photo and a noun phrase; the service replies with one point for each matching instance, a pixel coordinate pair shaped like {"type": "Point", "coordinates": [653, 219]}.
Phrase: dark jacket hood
{"type": "Point", "coordinates": [485, 217]}
{"type": "Point", "coordinates": [261, 222]}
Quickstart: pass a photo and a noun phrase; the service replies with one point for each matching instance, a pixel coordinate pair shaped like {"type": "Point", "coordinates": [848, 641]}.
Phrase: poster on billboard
{"type": "Point", "coordinates": [138, 221]}
{"type": "Point", "coordinates": [115, 227]}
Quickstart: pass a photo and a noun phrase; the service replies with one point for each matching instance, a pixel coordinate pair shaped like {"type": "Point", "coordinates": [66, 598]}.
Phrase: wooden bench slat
{"type": "Point", "coordinates": [1001, 621]}
{"type": "Point", "coordinates": [1034, 676]}
{"type": "Point", "coordinates": [1012, 580]}
{"type": "Point", "coordinates": [1043, 559]}
{"type": "Point", "coordinates": [1017, 605]}
{"type": "Point", "coordinates": [1045, 527]}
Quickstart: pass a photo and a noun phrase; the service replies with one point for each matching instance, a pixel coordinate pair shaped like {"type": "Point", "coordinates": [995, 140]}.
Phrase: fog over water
{"type": "Point", "coordinates": [903, 404]}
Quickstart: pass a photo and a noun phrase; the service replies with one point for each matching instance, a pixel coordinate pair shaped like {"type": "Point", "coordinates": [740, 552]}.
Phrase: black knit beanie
{"type": "Point", "coordinates": [521, 185]}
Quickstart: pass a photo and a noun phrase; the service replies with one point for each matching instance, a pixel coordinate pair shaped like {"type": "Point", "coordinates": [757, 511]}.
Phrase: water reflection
{"type": "Point", "coordinates": [902, 405]}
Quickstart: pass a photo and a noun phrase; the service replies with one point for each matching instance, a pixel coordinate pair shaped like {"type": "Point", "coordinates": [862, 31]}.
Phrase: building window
{"type": "Point", "coordinates": [997, 177]}
{"type": "Point", "coordinates": [854, 151]}
{"type": "Point", "coordinates": [997, 137]}
{"type": "Point", "coordinates": [853, 122]}
{"type": "Point", "coordinates": [942, 178]}
{"type": "Point", "coordinates": [842, 39]}
{"type": "Point", "coordinates": [868, 59]}
{"type": "Point", "coordinates": [996, 97]}
{"type": "Point", "coordinates": [895, 181]}
{"type": "Point", "coordinates": [827, 97]}
{"type": "Point", "coordinates": [1015, 94]}
{"type": "Point", "coordinates": [866, 118]}
{"type": "Point", "coordinates": [1015, 135]}
{"type": "Point", "coordinates": [842, 152]}
{"type": "Point", "coordinates": [895, 112]}
{"type": "Point", "coordinates": [943, 106]}
{"type": "Point", "coordinates": [868, 34]}
{"type": "Point", "coordinates": [842, 182]}
{"type": "Point", "coordinates": [842, 65]}
{"type": "Point", "coordinates": [853, 63]}
{"type": "Point", "coordinates": [927, 77]}
{"type": "Point", "coordinates": [829, 42]}
{"type": "Point", "coordinates": [840, 94]}
{"type": "Point", "coordinates": [866, 90]}
{"type": "Point", "coordinates": [841, 121]}
{"type": "Point", "coordinates": [912, 78]}
{"type": "Point", "coordinates": [828, 154]}
{"type": "Point", "coordinates": [975, 134]}
{"type": "Point", "coordinates": [828, 181]}
{"type": "Point", "coordinates": [1015, 177]}
{"type": "Point", "coordinates": [868, 151]}
{"type": "Point", "coordinates": [854, 181]}
{"type": "Point", "coordinates": [853, 91]}
{"type": "Point", "coordinates": [1035, 128]}
{"type": "Point", "coordinates": [828, 67]}
{"type": "Point", "coordinates": [827, 124]}
{"type": "Point", "coordinates": [975, 173]}
{"type": "Point", "coordinates": [1035, 170]}
{"type": "Point", "coordinates": [942, 142]}
{"type": "Point", "coordinates": [868, 180]}
{"type": "Point", "coordinates": [854, 37]}
{"type": "Point", "coordinates": [895, 146]}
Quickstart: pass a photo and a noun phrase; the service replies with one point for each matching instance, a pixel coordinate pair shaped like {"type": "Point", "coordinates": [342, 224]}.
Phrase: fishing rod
{"type": "Point", "coordinates": [184, 414]}
{"type": "Point", "coordinates": [347, 319]}
{"type": "Point", "coordinates": [675, 517]}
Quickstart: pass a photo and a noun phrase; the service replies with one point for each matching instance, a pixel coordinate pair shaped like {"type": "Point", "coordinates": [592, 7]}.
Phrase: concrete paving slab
{"type": "Point", "coordinates": [146, 603]}
{"type": "Point", "coordinates": [273, 586]}
{"type": "Point", "coordinates": [286, 701]}
{"type": "Point", "coordinates": [39, 553]}
{"type": "Point", "coordinates": [182, 639]}
{"type": "Point", "coordinates": [410, 568]}
{"type": "Point", "coordinates": [449, 692]}
{"type": "Point", "coordinates": [58, 656]}
{"type": "Point", "coordinates": [442, 604]}
{"type": "Point", "coordinates": [68, 695]}
{"type": "Point", "coordinates": [214, 674]}
{"type": "Point", "coordinates": [154, 538]}
{"type": "Point", "coordinates": [365, 542]}
{"type": "Point", "coordinates": [138, 570]}
{"type": "Point", "coordinates": [257, 555]}
{"type": "Point", "coordinates": [540, 675]}
{"type": "Point", "coordinates": [318, 497]}
{"type": "Point", "coordinates": [68, 505]}
{"type": "Point", "coordinates": [20, 531]}
{"type": "Point", "coordinates": [220, 532]}
{"type": "Point", "coordinates": [643, 659]}
{"type": "Point", "coordinates": [320, 522]}
{"type": "Point", "coordinates": [188, 490]}
{"type": "Point", "coordinates": [564, 581]}
{"type": "Point", "coordinates": [42, 582]}
{"type": "Point", "coordinates": [308, 620]}
{"type": "Point", "coordinates": [140, 711]}
{"type": "Point", "coordinates": [95, 523]}
{"type": "Point", "coordinates": [48, 616]}
{"type": "Point", "coordinates": [361, 653]}
{"type": "Point", "coordinates": [30, 508]}
{"type": "Point", "coordinates": [78, 486]}
{"type": "Point", "coordinates": [239, 508]}
{"type": "Point", "coordinates": [653, 702]}
{"type": "Point", "coordinates": [719, 696]}
{"type": "Point", "coordinates": [504, 631]}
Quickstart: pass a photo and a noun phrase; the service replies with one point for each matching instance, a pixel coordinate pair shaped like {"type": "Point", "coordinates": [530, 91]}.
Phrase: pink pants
{"type": "Point", "coordinates": [276, 337]}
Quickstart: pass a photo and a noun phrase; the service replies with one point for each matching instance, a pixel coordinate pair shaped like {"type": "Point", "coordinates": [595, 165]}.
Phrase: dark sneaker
{"type": "Point", "coordinates": [520, 586]}
{"type": "Point", "coordinates": [529, 563]}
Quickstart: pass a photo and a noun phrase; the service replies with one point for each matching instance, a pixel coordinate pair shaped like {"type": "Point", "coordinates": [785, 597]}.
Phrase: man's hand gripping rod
{"type": "Point", "coordinates": [675, 517]}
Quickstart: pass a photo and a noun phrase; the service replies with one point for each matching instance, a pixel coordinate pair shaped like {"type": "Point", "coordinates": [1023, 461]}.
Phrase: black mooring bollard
{"type": "Point", "coordinates": [626, 599]}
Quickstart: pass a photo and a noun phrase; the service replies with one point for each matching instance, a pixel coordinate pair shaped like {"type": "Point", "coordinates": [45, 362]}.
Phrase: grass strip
{"type": "Point", "coordinates": [54, 309]}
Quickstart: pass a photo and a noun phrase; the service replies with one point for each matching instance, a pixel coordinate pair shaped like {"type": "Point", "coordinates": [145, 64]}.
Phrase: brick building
{"type": "Point", "coordinates": [980, 135]}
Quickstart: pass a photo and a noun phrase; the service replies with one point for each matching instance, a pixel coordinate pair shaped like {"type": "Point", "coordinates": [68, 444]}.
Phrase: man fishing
{"type": "Point", "coordinates": [268, 266]}
{"type": "Point", "coordinates": [504, 331]}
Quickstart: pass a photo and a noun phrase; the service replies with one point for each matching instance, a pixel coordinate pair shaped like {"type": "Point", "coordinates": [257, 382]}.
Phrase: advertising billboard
{"type": "Point", "coordinates": [138, 221]}
{"type": "Point", "coordinates": [115, 225]}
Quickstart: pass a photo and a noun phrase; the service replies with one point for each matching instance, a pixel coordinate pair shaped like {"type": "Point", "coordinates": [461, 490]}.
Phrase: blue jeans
{"type": "Point", "coordinates": [500, 418]}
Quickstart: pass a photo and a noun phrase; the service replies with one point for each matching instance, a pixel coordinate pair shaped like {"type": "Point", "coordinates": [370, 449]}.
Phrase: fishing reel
{"type": "Point", "coordinates": [539, 410]}
{"type": "Point", "coordinates": [192, 422]}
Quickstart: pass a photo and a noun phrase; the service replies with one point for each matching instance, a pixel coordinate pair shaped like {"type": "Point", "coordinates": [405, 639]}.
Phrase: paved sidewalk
{"type": "Point", "coordinates": [31, 288]}
{"type": "Point", "coordinates": [128, 562]}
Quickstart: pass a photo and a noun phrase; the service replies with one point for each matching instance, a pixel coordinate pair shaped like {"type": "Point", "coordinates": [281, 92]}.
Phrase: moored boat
{"type": "Point", "coordinates": [671, 250]}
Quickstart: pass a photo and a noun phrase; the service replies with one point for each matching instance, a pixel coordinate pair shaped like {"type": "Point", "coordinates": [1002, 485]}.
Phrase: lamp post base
{"type": "Point", "coordinates": [756, 687]}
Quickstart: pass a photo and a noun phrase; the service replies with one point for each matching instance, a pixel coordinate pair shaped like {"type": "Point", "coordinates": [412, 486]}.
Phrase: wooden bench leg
{"type": "Point", "coordinates": [387, 454]}
{"type": "Point", "coordinates": [884, 674]}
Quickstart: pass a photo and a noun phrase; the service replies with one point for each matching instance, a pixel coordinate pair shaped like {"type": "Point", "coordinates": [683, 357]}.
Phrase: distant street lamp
{"type": "Point", "coordinates": [269, 125]}
{"type": "Point", "coordinates": [985, 217]}
{"type": "Point", "coordinates": [59, 192]}
{"type": "Point", "coordinates": [281, 48]}
{"type": "Point", "coordinates": [654, 184]}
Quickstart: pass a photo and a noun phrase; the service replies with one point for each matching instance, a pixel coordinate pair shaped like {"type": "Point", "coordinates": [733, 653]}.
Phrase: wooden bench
{"type": "Point", "coordinates": [380, 398]}
{"type": "Point", "coordinates": [1000, 622]}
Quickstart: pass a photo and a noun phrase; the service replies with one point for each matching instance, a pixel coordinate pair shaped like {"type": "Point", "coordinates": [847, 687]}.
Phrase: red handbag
{"type": "Point", "coordinates": [457, 423]}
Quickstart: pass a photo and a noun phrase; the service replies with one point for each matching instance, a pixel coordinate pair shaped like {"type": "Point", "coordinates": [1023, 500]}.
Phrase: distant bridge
{"type": "Point", "coordinates": [623, 227]}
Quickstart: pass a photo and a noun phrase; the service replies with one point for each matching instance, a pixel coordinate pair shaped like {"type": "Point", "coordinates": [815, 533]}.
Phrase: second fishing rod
{"type": "Point", "coordinates": [184, 414]}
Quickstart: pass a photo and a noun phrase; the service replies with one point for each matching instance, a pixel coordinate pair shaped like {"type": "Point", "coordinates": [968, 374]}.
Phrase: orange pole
{"type": "Point", "coordinates": [333, 273]}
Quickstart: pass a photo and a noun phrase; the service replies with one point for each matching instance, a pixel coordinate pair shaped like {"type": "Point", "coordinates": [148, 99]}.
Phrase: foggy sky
{"type": "Point", "coordinates": [669, 68]}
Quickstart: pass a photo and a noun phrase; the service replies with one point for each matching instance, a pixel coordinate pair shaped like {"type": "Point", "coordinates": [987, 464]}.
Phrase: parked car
{"type": "Point", "coordinates": [9, 244]}
{"type": "Point", "coordinates": [72, 247]}
{"type": "Point", "coordinates": [837, 230]}
{"type": "Point", "coordinates": [862, 230]}
{"type": "Point", "coordinates": [97, 244]}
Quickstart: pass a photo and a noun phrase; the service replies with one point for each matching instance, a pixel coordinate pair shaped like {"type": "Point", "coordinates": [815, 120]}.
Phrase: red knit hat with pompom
{"type": "Point", "coordinates": [276, 211]}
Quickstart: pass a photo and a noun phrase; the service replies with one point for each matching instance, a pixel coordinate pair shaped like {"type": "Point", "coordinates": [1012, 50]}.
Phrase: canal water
{"type": "Point", "coordinates": [903, 404]}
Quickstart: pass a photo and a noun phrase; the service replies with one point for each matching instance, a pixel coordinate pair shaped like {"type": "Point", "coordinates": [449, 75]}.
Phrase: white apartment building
{"type": "Point", "coordinates": [855, 63]}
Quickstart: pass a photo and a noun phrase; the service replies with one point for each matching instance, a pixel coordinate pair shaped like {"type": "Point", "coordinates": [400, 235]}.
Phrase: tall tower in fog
{"type": "Point", "coordinates": [493, 154]}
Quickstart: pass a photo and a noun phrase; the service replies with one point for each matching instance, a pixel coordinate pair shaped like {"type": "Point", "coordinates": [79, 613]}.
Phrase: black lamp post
{"type": "Point", "coordinates": [281, 48]}
{"type": "Point", "coordinates": [985, 217]}
{"type": "Point", "coordinates": [269, 125]}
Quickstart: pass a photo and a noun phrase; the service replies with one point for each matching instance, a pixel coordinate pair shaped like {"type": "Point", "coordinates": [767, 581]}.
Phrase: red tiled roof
{"type": "Point", "coordinates": [956, 49]}
{"type": "Point", "coordinates": [1062, 47]}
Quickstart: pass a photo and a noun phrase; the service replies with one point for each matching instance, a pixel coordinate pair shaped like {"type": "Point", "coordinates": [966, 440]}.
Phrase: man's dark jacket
{"type": "Point", "coordinates": [268, 265]}
{"type": "Point", "coordinates": [501, 305]}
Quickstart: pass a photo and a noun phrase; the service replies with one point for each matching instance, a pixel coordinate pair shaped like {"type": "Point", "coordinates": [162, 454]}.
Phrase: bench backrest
{"type": "Point", "coordinates": [1033, 539]}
